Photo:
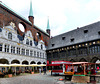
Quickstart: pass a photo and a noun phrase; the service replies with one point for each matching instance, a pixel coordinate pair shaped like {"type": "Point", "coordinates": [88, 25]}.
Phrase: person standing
{"type": "Point", "coordinates": [40, 70]}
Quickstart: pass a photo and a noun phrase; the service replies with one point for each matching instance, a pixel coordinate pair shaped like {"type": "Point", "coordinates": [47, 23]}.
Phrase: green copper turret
{"type": "Point", "coordinates": [48, 27]}
{"type": "Point", "coordinates": [31, 9]}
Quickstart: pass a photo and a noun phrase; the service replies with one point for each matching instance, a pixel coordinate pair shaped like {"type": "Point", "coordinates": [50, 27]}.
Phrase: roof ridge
{"type": "Point", "coordinates": [15, 12]}
{"type": "Point", "coordinates": [21, 16]}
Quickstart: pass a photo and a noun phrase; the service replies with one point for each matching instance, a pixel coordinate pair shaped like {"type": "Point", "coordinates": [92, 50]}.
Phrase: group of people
{"type": "Point", "coordinates": [44, 70]}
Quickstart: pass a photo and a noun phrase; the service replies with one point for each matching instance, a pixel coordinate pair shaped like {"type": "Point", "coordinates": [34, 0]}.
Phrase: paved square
{"type": "Point", "coordinates": [34, 79]}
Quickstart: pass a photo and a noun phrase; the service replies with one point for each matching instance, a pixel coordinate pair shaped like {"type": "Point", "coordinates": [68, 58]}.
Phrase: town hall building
{"type": "Point", "coordinates": [21, 41]}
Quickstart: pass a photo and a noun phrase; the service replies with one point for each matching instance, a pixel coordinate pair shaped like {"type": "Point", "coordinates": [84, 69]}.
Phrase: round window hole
{"type": "Point", "coordinates": [21, 27]}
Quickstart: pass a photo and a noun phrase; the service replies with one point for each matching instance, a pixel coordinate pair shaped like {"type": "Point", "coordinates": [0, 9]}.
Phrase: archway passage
{"type": "Point", "coordinates": [25, 62]}
{"type": "Point", "coordinates": [72, 60]}
{"type": "Point", "coordinates": [33, 62]}
{"type": "Point", "coordinates": [39, 63]}
{"type": "Point", "coordinates": [4, 61]}
{"type": "Point", "coordinates": [82, 60]}
{"type": "Point", "coordinates": [15, 61]}
{"type": "Point", "coordinates": [94, 59]}
{"type": "Point", "coordinates": [98, 61]}
{"type": "Point", "coordinates": [44, 63]}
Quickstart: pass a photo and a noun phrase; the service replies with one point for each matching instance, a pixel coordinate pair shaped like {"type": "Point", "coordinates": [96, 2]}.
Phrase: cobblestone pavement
{"type": "Point", "coordinates": [34, 79]}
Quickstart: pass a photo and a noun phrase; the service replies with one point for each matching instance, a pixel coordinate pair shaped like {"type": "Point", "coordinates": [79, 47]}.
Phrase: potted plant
{"type": "Point", "coordinates": [49, 69]}
{"type": "Point", "coordinates": [10, 72]}
{"type": "Point", "coordinates": [32, 72]}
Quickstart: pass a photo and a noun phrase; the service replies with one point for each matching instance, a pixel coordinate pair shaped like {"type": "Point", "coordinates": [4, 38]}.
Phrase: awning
{"type": "Point", "coordinates": [53, 64]}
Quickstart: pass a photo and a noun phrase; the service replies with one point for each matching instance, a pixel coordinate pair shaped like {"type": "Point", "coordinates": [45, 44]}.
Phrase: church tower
{"type": "Point", "coordinates": [48, 27]}
{"type": "Point", "coordinates": [31, 17]}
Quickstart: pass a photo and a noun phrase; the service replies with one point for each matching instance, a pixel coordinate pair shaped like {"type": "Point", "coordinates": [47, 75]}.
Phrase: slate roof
{"type": "Point", "coordinates": [79, 35]}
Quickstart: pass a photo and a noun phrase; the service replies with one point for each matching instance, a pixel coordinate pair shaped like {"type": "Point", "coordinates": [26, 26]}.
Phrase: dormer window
{"type": "Point", "coordinates": [9, 35]}
{"type": "Point", "coordinates": [72, 40]}
{"type": "Point", "coordinates": [27, 41]}
{"type": "Point", "coordinates": [29, 35]}
{"type": "Point", "coordinates": [30, 42]}
{"type": "Point", "coordinates": [53, 45]}
{"type": "Point", "coordinates": [99, 32]}
{"type": "Point", "coordinates": [85, 31]}
{"type": "Point", "coordinates": [63, 38]}
{"type": "Point", "coordinates": [41, 47]}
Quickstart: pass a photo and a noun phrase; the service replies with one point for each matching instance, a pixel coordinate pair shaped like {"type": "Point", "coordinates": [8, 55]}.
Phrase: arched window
{"type": "Point", "coordinates": [27, 41]}
{"type": "Point", "coordinates": [9, 35]}
{"type": "Point", "coordinates": [41, 47]}
{"type": "Point", "coordinates": [38, 35]}
{"type": "Point", "coordinates": [30, 42]}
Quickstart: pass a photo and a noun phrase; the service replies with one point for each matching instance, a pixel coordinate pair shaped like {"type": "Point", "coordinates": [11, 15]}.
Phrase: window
{"type": "Point", "coordinates": [63, 38]}
{"type": "Point", "coordinates": [72, 40]}
{"type": "Point", "coordinates": [0, 47]}
{"type": "Point", "coordinates": [34, 53]}
{"type": "Point", "coordinates": [18, 50]}
{"type": "Point", "coordinates": [9, 35]}
{"type": "Point", "coordinates": [30, 42]}
{"type": "Point", "coordinates": [94, 49]}
{"type": "Point", "coordinates": [31, 53]}
{"type": "Point", "coordinates": [49, 56]}
{"type": "Point", "coordinates": [37, 54]}
{"type": "Point", "coordinates": [85, 31]}
{"type": "Point", "coordinates": [6, 48]}
{"type": "Point", "coordinates": [55, 54]}
{"type": "Point", "coordinates": [12, 49]}
{"type": "Point", "coordinates": [53, 45]}
{"type": "Point", "coordinates": [27, 41]}
{"type": "Point", "coordinates": [43, 55]}
{"type": "Point", "coordinates": [27, 52]}
{"type": "Point", "coordinates": [22, 26]}
{"type": "Point", "coordinates": [23, 51]}
{"type": "Point", "coordinates": [72, 52]}
{"type": "Point", "coordinates": [99, 32]}
{"type": "Point", "coordinates": [40, 55]}
{"type": "Point", "coordinates": [29, 35]}
{"type": "Point", "coordinates": [41, 47]}
{"type": "Point", "coordinates": [21, 42]}
{"type": "Point", "coordinates": [82, 50]}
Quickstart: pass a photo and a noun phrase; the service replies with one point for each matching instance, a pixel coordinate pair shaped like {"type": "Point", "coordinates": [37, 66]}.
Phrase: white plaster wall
{"type": "Point", "coordinates": [15, 42]}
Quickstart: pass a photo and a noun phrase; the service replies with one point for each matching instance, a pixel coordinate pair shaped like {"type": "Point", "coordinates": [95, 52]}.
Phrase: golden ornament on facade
{"type": "Point", "coordinates": [12, 24]}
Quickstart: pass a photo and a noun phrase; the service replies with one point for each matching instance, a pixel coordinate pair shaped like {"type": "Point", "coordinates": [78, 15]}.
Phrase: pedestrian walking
{"type": "Point", "coordinates": [44, 70]}
{"type": "Point", "coordinates": [40, 70]}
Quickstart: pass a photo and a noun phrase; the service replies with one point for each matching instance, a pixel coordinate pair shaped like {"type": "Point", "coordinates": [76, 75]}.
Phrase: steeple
{"type": "Point", "coordinates": [31, 17]}
{"type": "Point", "coordinates": [48, 27]}
{"type": "Point", "coordinates": [31, 9]}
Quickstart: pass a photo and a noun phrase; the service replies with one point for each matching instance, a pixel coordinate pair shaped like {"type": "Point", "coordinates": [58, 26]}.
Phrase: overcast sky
{"type": "Point", "coordinates": [64, 15]}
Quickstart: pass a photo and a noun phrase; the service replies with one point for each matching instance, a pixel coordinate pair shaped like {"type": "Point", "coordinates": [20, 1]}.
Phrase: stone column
{"type": "Point", "coordinates": [15, 50]}
{"type": "Point", "coordinates": [3, 47]}
{"type": "Point", "coordinates": [20, 50]}
{"type": "Point", "coordinates": [29, 52]}
{"type": "Point", "coordinates": [25, 51]}
{"type": "Point", "coordinates": [9, 48]}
